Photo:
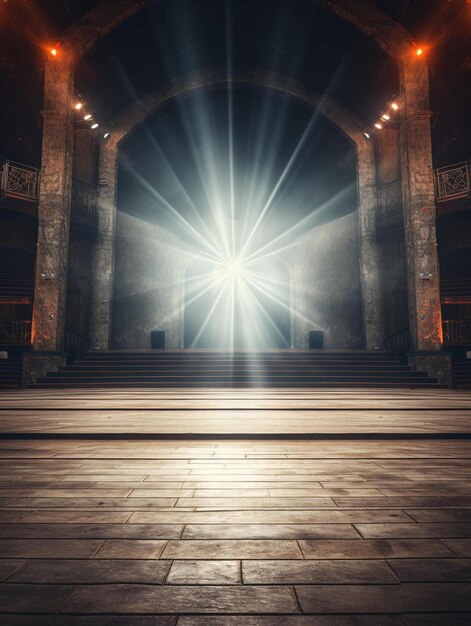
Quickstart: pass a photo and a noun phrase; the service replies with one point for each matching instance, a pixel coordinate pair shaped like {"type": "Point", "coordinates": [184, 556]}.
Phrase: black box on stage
{"type": "Point", "coordinates": [316, 339]}
{"type": "Point", "coordinates": [157, 339]}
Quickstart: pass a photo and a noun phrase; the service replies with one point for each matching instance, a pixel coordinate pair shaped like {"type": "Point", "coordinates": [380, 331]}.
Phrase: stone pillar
{"type": "Point", "coordinates": [53, 210]}
{"type": "Point", "coordinates": [419, 209]}
{"type": "Point", "coordinates": [104, 257]}
{"type": "Point", "coordinates": [369, 253]}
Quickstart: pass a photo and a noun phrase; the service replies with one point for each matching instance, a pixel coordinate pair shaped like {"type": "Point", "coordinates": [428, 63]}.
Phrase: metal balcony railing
{"type": "Point", "coordinates": [19, 181]}
{"type": "Point", "coordinates": [453, 182]}
{"type": "Point", "coordinates": [457, 332]}
{"type": "Point", "coordinates": [15, 333]}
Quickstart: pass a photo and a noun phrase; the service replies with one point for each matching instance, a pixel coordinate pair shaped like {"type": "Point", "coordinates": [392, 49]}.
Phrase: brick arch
{"type": "Point", "coordinates": [135, 114]}
{"type": "Point", "coordinates": [123, 124]}
{"type": "Point", "coordinates": [416, 164]}
{"type": "Point", "coordinates": [107, 15]}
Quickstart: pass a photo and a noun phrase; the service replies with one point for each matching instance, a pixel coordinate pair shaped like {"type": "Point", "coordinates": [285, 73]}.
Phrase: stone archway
{"type": "Point", "coordinates": [416, 165]}
{"type": "Point", "coordinates": [125, 122]}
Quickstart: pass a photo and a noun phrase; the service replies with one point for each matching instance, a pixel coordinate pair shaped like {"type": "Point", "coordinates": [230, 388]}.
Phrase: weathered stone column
{"type": "Point", "coordinates": [369, 253]}
{"type": "Point", "coordinates": [419, 209]}
{"type": "Point", "coordinates": [104, 257]}
{"type": "Point", "coordinates": [53, 209]}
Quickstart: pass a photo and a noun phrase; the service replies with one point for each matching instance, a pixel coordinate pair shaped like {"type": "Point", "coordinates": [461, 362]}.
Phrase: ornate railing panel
{"type": "Point", "coordinates": [19, 181]}
{"type": "Point", "coordinates": [84, 198]}
{"type": "Point", "coordinates": [453, 182]}
{"type": "Point", "coordinates": [17, 332]}
{"type": "Point", "coordinates": [457, 332]}
{"type": "Point", "coordinates": [390, 202]}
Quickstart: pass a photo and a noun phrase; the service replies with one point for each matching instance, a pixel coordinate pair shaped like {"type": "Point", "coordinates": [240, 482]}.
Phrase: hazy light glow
{"type": "Point", "coordinates": [241, 217]}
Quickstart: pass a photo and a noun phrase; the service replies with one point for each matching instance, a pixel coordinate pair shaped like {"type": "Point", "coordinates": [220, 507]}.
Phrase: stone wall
{"type": "Point", "coordinates": [325, 285]}
{"type": "Point", "coordinates": [148, 284]}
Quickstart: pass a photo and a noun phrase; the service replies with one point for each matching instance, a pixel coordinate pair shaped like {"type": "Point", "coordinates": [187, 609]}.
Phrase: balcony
{"type": "Point", "coordinates": [457, 332]}
{"type": "Point", "coordinates": [16, 333]}
{"type": "Point", "coordinates": [453, 182]}
{"type": "Point", "coordinates": [19, 181]}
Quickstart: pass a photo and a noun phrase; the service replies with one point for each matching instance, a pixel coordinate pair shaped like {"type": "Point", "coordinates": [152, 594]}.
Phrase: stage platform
{"type": "Point", "coordinates": [214, 413]}
{"type": "Point", "coordinates": [159, 518]}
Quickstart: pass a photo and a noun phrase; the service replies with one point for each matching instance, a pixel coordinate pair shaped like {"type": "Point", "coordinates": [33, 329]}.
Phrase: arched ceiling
{"type": "Point", "coordinates": [295, 37]}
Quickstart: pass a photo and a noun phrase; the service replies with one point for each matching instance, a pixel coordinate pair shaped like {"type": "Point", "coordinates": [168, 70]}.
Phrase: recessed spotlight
{"type": "Point", "coordinates": [93, 126]}
{"type": "Point", "coordinates": [87, 117]}
{"type": "Point", "coordinates": [378, 126]}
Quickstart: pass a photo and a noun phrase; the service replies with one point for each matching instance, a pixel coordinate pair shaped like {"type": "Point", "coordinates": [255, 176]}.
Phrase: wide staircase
{"type": "Point", "coordinates": [249, 369]}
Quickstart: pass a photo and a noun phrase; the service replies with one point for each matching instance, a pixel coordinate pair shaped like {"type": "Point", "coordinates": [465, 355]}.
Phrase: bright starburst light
{"type": "Point", "coordinates": [231, 193]}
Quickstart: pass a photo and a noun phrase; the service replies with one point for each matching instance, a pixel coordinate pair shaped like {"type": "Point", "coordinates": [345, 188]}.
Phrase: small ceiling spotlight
{"type": "Point", "coordinates": [378, 126]}
{"type": "Point", "coordinates": [367, 135]}
{"type": "Point", "coordinates": [106, 135]}
{"type": "Point", "coordinates": [93, 126]}
{"type": "Point", "coordinates": [394, 106]}
{"type": "Point", "coordinates": [53, 52]}
{"type": "Point", "coordinates": [78, 106]}
{"type": "Point", "coordinates": [419, 52]}
{"type": "Point", "coordinates": [385, 117]}
{"type": "Point", "coordinates": [87, 117]}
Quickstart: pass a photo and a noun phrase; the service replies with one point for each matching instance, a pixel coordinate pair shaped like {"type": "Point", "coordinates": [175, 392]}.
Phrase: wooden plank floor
{"type": "Point", "coordinates": [235, 412]}
{"type": "Point", "coordinates": [234, 533]}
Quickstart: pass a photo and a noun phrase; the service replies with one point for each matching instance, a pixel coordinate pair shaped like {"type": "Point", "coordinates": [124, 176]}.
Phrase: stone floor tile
{"type": "Point", "coordinates": [232, 549]}
{"type": "Point", "coordinates": [461, 547]}
{"type": "Point", "coordinates": [72, 492]}
{"type": "Point", "coordinates": [8, 566]}
{"type": "Point", "coordinates": [248, 492]}
{"type": "Point", "coordinates": [161, 493]}
{"type": "Point", "coordinates": [373, 549]}
{"type": "Point", "coordinates": [90, 531]}
{"type": "Point", "coordinates": [316, 572]}
{"type": "Point", "coordinates": [280, 516]}
{"type": "Point", "coordinates": [391, 502]}
{"type": "Point", "coordinates": [92, 571]}
{"type": "Point", "coordinates": [373, 531]}
{"type": "Point", "coordinates": [431, 597]}
{"type": "Point", "coordinates": [92, 503]}
{"type": "Point", "coordinates": [440, 515]}
{"type": "Point", "coordinates": [131, 549]}
{"type": "Point", "coordinates": [257, 503]}
{"type": "Point", "coordinates": [292, 620]}
{"type": "Point", "coordinates": [443, 619]}
{"type": "Point", "coordinates": [204, 573]}
{"type": "Point", "coordinates": [141, 599]}
{"type": "Point", "coordinates": [71, 517]}
{"type": "Point", "coordinates": [49, 548]}
{"type": "Point", "coordinates": [269, 531]}
{"type": "Point", "coordinates": [32, 598]}
{"type": "Point", "coordinates": [432, 570]}
{"type": "Point", "coordinates": [88, 620]}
